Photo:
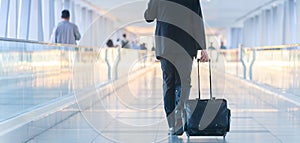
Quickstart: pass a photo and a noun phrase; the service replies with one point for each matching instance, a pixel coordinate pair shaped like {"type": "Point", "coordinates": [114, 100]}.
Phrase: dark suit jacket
{"type": "Point", "coordinates": [179, 25]}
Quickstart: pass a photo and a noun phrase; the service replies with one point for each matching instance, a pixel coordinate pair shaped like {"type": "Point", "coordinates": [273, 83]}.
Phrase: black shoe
{"type": "Point", "coordinates": [179, 132]}
{"type": "Point", "coordinates": [171, 131]}
{"type": "Point", "coordinates": [178, 123]}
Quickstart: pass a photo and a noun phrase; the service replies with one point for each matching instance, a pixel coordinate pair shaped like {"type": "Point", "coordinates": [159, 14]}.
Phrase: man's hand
{"type": "Point", "coordinates": [204, 56]}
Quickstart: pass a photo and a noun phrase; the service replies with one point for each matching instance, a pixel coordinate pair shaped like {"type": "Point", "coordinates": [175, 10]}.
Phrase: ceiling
{"type": "Point", "coordinates": [217, 13]}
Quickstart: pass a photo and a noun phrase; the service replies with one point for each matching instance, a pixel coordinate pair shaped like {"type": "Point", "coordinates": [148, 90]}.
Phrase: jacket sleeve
{"type": "Point", "coordinates": [76, 33]}
{"type": "Point", "coordinates": [203, 40]}
{"type": "Point", "coordinates": [151, 12]}
{"type": "Point", "coordinates": [199, 11]}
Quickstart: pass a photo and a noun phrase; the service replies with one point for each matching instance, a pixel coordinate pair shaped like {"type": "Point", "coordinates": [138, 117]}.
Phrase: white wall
{"type": "Point", "coordinates": [274, 25]}
{"type": "Point", "coordinates": [35, 20]}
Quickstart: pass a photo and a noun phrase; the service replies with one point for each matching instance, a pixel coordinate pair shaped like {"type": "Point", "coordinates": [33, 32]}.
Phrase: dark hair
{"type": "Point", "coordinates": [65, 14]}
{"type": "Point", "coordinates": [109, 43]}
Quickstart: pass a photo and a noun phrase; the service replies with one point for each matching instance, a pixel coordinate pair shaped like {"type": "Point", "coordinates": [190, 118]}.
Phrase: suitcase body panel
{"type": "Point", "coordinates": [207, 117]}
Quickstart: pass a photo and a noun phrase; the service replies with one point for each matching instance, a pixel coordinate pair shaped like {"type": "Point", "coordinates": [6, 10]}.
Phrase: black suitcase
{"type": "Point", "coordinates": [208, 117]}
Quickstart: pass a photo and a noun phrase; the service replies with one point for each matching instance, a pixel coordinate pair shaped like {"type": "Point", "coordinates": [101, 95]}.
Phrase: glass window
{"type": "Point", "coordinates": [298, 20]}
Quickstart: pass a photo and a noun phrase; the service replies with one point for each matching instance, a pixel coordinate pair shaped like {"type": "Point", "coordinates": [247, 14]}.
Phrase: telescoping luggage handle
{"type": "Point", "coordinates": [210, 82]}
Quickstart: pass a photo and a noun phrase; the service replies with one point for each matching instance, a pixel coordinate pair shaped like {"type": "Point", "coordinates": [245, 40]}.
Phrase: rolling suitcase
{"type": "Point", "coordinates": [207, 117]}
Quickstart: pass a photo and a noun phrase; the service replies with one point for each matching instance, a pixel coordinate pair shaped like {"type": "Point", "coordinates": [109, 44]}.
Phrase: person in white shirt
{"type": "Point", "coordinates": [65, 32]}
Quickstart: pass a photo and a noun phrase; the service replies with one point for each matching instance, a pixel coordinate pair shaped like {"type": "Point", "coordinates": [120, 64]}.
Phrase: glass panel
{"type": "Point", "coordinates": [278, 69]}
{"type": "Point", "coordinates": [274, 67]}
{"type": "Point", "coordinates": [33, 74]}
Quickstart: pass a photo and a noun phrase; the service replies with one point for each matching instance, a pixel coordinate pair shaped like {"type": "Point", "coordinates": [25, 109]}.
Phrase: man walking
{"type": "Point", "coordinates": [65, 32]}
{"type": "Point", "coordinates": [179, 35]}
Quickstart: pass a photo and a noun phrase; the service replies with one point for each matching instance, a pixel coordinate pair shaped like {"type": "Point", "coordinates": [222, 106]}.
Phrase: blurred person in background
{"type": "Point", "coordinates": [65, 32]}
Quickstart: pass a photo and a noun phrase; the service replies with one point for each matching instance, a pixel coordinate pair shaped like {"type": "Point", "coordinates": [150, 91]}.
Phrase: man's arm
{"type": "Point", "coordinates": [53, 35]}
{"type": "Point", "coordinates": [77, 34]}
{"type": "Point", "coordinates": [151, 12]}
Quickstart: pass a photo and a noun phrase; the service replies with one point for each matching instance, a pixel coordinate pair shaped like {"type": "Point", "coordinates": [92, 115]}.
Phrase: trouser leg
{"type": "Point", "coordinates": [176, 86]}
{"type": "Point", "coordinates": [183, 86]}
{"type": "Point", "coordinates": [183, 79]}
{"type": "Point", "coordinates": [169, 90]}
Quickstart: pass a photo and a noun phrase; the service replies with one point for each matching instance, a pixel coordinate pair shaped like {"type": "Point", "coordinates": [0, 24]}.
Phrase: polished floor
{"type": "Point", "coordinates": [134, 114]}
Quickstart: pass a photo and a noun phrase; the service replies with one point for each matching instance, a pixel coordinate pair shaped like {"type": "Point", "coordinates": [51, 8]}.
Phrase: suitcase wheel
{"type": "Point", "coordinates": [224, 136]}
{"type": "Point", "coordinates": [188, 135]}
